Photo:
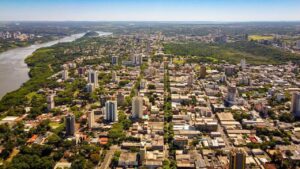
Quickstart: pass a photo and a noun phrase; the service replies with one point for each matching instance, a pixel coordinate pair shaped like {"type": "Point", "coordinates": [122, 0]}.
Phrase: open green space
{"type": "Point", "coordinates": [231, 52]}
{"type": "Point", "coordinates": [260, 37]}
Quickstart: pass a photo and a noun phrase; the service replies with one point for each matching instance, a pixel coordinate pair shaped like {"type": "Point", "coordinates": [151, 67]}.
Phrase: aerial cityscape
{"type": "Point", "coordinates": [141, 85]}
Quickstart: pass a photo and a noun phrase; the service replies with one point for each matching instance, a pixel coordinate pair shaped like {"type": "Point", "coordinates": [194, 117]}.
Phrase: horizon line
{"type": "Point", "coordinates": [232, 21]}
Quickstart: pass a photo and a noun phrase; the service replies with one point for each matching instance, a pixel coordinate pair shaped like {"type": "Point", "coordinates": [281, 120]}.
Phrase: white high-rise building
{"type": "Point", "coordinates": [90, 87]}
{"type": "Point", "coordinates": [91, 119]}
{"type": "Point", "coordinates": [50, 102]}
{"type": "Point", "coordinates": [93, 77]}
{"type": "Point", "coordinates": [137, 59]}
{"type": "Point", "coordinates": [111, 111]}
{"type": "Point", "coordinates": [243, 64]}
{"type": "Point", "coordinates": [65, 75]}
{"type": "Point", "coordinates": [295, 107]}
{"type": "Point", "coordinates": [115, 77]}
{"type": "Point", "coordinates": [137, 107]}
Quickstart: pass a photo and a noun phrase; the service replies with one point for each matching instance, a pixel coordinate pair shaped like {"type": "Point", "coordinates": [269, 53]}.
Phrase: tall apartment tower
{"type": "Point", "coordinates": [114, 60]}
{"type": "Point", "coordinates": [120, 98]}
{"type": "Point", "coordinates": [114, 77]}
{"type": "Point", "coordinates": [230, 70]}
{"type": "Point", "coordinates": [137, 107]}
{"type": "Point", "coordinates": [81, 71]}
{"type": "Point", "coordinates": [295, 107]}
{"type": "Point", "coordinates": [202, 71]}
{"type": "Point", "coordinates": [243, 64]}
{"type": "Point", "coordinates": [237, 159]}
{"type": "Point", "coordinates": [70, 125]}
{"type": "Point", "coordinates": [137, 59]}
{"type": "Point", "coordinates": [93, 77]}
{"type": "Point", "coordinates": [190, 79]}
{"type": "Point", "coordinates": [111, 111]}
{"type": "Point", "coordinates": [65, 74]}
{"type": "Point", "coordinates": [91, 119]}
{"type": "Point", "coordinates": [231, 95]}
{"type": "Point", "coordinates": [50, 102]}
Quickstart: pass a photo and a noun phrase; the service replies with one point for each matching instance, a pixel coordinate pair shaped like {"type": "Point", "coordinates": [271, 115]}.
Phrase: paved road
{"type": "Point", "coordinates": [108, 157]}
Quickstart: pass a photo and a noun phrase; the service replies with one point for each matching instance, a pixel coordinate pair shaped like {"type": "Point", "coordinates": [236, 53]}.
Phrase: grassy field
{"type": "Point", "coordinates": [54, 125]}
{"type": "Point", "coordinates": [260, 37]}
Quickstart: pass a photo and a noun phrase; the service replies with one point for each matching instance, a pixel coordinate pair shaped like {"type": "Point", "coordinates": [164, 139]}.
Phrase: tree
{"type": "Point", "coordinates": [54, 139]}
{"type": "Point", "coordinates": [116, 133]}
{"type": "Point", "coordinates": [95, 158]}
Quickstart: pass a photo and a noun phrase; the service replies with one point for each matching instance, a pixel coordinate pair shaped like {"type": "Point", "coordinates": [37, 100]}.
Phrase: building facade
{"type": "Point", "coordinates": [111, 111]}
{"type": "Point", "coordinates": [137, 107]}
{"type": "Point", "coordinates": [70, 125]}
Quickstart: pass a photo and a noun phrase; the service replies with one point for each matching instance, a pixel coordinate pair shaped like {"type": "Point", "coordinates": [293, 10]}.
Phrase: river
{"type": "Point", "coordinates": [13, 69]}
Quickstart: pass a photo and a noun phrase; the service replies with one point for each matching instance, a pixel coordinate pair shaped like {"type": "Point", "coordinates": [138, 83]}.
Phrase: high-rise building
{"type": "Point", "coordinates": [243, 64]}
{"type": "Point", "coordinates": [93, 77]}
{"type": "Point", "coordinates": [111, 111]}
{"type": "Point", "coordinates": [114, 60]}
{"type": "Point", "coordinates": [102, 100]}
{"type": "Point", "coordinates": [81, 71]}
{"type": "Point", "coordinates": [137, 59]}
{"type": "Point", "coordinates": [137, 107]}
{"type": "Point", "coordinates": [295, 107]}
{"type": "Point", "coordinates": [65, 75]}
{"type": "Point", "coordinates": [230, 70]}
{"type": "Point", "coordinates": [91, 119]}
{"type": "Point", "coordinates": [237, 159]}
{"type": "Point", "coordinates": [50, 102]}
{"type": "Point", "coordinates": [120, 98]}
{"type": "Point", "coordinates": [190, 79]}
{"type": "Point", "coordinates": [231, 95]}
{"type": "Point", "coordinates": [202, 71]}
{"type": "Point", "coordinates": [90, 87]}
{"type": "Point", "coordinates": [70, 125]}
{"type": "Point", "coordinates": [115, 77]}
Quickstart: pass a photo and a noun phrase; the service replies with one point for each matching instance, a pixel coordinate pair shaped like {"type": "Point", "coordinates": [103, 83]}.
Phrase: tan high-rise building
{"type": "Point", "coordinates": [120, 98]}
{"type": "Point", "coordinates": [50, 102]}
{"type": "Point", "coordinates": [137, 107]}
{"type": "Point", "coordinates": [190, 79]}
{"type": "Point", "coordinates": [202, 71]}
{"type": "Point", "coordinates": [91, 119]}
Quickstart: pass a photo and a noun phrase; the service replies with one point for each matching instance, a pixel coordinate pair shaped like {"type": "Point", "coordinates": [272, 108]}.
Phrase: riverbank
{"type": "Point", "coordinates": [13, 69]}
{"type": "Point", "coordinates": [38, 64]}
{"type": "Point", "coordinates": [6, 45]}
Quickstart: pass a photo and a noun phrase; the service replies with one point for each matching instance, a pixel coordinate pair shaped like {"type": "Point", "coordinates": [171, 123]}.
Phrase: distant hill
{"type": "Point", "coordinates": [91, 34]}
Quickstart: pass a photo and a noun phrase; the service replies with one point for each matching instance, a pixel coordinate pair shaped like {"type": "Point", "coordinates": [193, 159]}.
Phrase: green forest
{"type": "Point", "coordinates": [232, 52]}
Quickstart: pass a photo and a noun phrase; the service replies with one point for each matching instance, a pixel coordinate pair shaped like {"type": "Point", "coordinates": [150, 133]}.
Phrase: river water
{"type": "Point", "coordinates": [13, 69]}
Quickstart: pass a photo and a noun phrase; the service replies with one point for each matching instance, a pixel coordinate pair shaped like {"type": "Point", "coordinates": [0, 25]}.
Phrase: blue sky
{"type": "Point", "coordinates": [150, 10]}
